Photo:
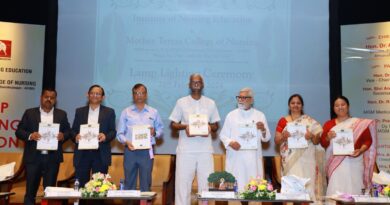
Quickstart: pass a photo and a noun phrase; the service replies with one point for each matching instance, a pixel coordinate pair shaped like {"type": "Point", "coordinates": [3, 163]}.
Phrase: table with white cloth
{"type": "Point", "coordinates": [340, 201]}
{"type": "Point", "coordinates": [205, 200]}
{"type": "Point", "coordinates": [58, 200]}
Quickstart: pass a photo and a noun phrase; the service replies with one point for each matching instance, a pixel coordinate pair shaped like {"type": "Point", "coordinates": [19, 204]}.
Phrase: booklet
{"type": "Point", "coordinates": [141, 137]}
{"type": "Point", "coordinates": [198, 125]}
{"type": "Point", "coordinates": [343, 142]}
{"type": "Point", "coordinates": [49, 133]}
{"type": "Point", "coordinates": [247, 137]}
{"type": "Point", "coordinates": [297, 139]}
{"type": "Point", "coordinates": [89, 136]}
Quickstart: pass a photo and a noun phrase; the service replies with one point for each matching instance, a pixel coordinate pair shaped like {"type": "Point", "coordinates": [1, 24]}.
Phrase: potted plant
{"type": "Point", "coordinates": [223, 181]}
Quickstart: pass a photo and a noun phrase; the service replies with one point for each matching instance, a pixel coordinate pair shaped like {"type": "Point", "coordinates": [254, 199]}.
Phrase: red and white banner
{"type": "Point", "coordinates": [21, 72]}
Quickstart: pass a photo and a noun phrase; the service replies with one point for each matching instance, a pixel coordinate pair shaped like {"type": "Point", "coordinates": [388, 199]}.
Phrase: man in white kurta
{"type": "Point", "coordinates": [244, 164]}
{"type": "Point", "coordinates": [193, 153]}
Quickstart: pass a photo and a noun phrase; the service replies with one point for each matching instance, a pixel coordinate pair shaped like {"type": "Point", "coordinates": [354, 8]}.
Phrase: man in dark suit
{"type": "Point", "coordinates": [98, 160]}
{"type": "Point", "coordinates": [41, 163]}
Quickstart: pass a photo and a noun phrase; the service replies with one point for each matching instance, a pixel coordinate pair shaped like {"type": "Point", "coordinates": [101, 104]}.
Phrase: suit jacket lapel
{"type": "Point", "coordinates": [37, 116]}
{"type": "Point", "coordinates": [84, 116]}
{"type": "Point", "coordinates": [55, 116]}
{"type": "Point", "coordinates": [101, 115]}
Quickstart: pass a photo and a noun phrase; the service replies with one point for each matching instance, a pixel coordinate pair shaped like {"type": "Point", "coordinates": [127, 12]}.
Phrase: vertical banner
{"type": "Point", "coordinates": [21, 71]}
{"type": "Point", "coordinates": [366, 78]}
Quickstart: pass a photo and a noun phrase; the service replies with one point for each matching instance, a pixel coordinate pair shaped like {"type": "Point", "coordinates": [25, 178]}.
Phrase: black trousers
{"type": "Point", "coordinates": [41, 168]}
{"type": "Point", "coordinates": [89, 162]}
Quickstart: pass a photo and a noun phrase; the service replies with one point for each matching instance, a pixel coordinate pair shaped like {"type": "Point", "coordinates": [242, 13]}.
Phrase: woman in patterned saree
{"type": "Point", "coordinates": [303, 162]}
{"type": "Point", "coordinates": [349, 173]}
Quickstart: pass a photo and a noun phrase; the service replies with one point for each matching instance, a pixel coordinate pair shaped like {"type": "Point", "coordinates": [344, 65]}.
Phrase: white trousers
{"type": "Point", "coordinates": [187, 165]}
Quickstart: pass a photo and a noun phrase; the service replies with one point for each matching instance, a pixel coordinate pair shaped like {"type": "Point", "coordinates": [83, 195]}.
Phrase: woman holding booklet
{"type": "Point", "coordinates": [348, 171]}
{"type": "Point", "coordinates": [298, 134]}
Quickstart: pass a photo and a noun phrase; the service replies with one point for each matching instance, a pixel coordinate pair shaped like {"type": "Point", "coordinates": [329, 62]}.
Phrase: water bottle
{"type": "Point", "coordinates": [76, 184]}
{"type": "Point", "coordinates": [121, 185]}
{"type": "Point", "coordinates": [76, 188]}
{"type": "Point", "coordinates": [235, 188]}
{"type": "Point", "coordinates": [375, 192]}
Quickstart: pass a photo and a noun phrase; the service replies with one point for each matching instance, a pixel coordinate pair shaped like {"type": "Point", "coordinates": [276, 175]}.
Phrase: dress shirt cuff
{"type": "Point", "coordinates": [122, 139]}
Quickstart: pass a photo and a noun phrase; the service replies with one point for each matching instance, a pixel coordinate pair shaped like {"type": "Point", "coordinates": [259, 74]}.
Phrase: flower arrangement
{"type": "Point", "coordinates": [98, 186]}
{"type": "Point", "coordinates": [386, 191]}
{"type": "Point", "coordinates": [258, 189]}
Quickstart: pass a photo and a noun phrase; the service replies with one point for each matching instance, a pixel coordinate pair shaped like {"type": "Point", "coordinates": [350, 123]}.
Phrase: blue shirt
{"type": "Point", "coordinates": [132, 116]}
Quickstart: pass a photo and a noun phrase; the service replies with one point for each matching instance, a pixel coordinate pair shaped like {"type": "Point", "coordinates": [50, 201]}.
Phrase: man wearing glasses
{"type": "Point", "coordinates": [193, 153]}
{"type": "Point", "coordinates": [135, 120]}
{"type": "Point", "coordinates": [93, 159]}
{"type": "Point", "coordinates": [242, 133]}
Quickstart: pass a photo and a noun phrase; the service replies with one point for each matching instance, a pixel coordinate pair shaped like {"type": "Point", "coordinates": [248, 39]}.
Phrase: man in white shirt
{"type": "Point", "coordinates": [193, 153]}
{"type": "Point", "coordinates": [244, 162]}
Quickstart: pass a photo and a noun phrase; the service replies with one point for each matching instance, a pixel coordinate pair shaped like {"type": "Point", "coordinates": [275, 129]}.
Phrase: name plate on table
{"type": "Point", "coordinates": [61, 192]}
{"type": "Point", "coordinates": [141, 137]}
{"type": "Point", "coordinates": [368, 199]}
{"type": "Point", "coordinates": [343, 142]}
{"type": "Point", "coordinates": [89, 136]}
{"type": "Point", "coordinates": [198, 125]}
{"type": "Point", "coordinates": [48, 132]}
{"type": "Point", "coordinates": [124, 193]}
{"type": "Point", "coordinates": [295, 196]}
{"type": "Point", "coordinates": [218, 194]}
{"type": "Point", "coordinates": [297, 139]}
{"type": "Point", "coordinates": [247, 138]}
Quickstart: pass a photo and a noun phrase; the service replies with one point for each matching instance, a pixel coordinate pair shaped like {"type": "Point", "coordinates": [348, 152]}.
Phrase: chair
{"type": "Point", "coordinates": [66, 171]}
{"type": "Point", "coordinates": [277, 169]}
{"type": "Point", "coordinates": [8, 157]}
{"type": "Point", "coordinates": [163, 179]}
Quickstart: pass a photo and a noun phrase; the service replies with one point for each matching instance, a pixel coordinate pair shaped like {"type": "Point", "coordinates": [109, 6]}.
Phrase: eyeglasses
{"type": "Point", "coordinates": [139, 93]}
{"type": "Point", "coordinates": [243, 97]}
{"type": "Point", "coordinates": [95, 94]}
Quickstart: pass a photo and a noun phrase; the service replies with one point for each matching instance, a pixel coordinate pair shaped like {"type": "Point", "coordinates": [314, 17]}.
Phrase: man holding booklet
{"type": "Point", "coordinates": [43, 129]}
{"type": "Point", "coordinates": [93, 130]}
{"type": "Point", "coordinates": [138, 127]}
{"type": "Point", "coordinates": [243, 131]}
{"type": "Point", "coordinates": [195, 117]}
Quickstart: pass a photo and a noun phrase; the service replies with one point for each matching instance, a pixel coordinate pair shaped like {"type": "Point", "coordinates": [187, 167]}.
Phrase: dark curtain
{"type": "Point", "coordinates": [344, 12]}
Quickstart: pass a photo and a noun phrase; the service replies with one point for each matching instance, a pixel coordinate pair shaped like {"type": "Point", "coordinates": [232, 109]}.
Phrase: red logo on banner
{"type": "Point", "coordinates": [5, 49]}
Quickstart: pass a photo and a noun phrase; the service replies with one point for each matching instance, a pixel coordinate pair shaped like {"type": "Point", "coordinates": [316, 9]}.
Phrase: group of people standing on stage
{"type": "Point", "coordinates": [344, 173]}
{"type": "Point", "coordinates": [347, 174]}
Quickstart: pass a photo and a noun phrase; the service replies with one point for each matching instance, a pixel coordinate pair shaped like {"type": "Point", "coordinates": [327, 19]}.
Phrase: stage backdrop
{"type": "Point", "coordinates": [277, 47]}
{"type": "Point", "coordinates": [21, 71]}
{"type": "Point", "coordinates": [366, 78]}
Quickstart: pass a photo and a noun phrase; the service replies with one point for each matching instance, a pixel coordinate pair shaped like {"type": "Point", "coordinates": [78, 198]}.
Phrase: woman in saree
{"type": "Point", "coordinates": [349, 173]}
{"type": "Point", "coordinates": [303, 162]}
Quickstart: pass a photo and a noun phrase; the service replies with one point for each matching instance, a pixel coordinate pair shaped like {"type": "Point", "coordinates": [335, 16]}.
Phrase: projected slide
{"type": "Point", "coordinates": [366, 77]}
{"type": "Point", "coordinates": [233, 44]}
{"type": "Point", "coordinates": [266, 45]}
